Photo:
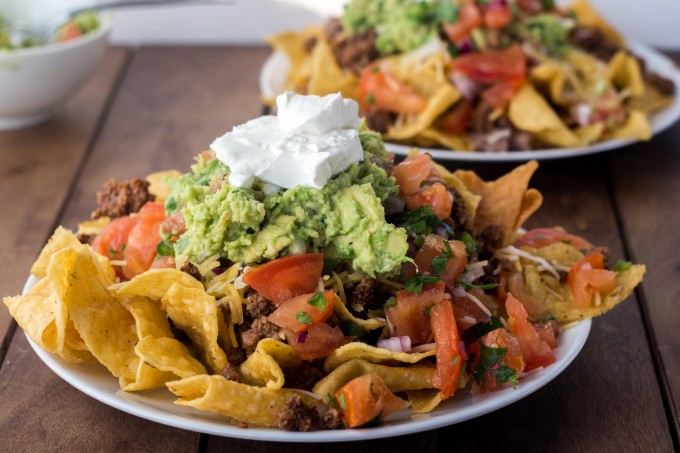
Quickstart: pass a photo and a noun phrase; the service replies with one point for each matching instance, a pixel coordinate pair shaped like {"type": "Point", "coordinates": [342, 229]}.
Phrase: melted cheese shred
{"type": "Point", "coordinates": [510, 251]}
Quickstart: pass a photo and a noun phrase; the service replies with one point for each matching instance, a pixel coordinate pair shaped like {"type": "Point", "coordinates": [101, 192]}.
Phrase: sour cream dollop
{"type": "Point", "coordinates": [311, 140]}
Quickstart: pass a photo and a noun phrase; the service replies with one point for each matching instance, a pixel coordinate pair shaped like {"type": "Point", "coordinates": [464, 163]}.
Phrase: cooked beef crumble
{"type": "Point", "coordinates": [230, 373]}
{"type": "Point", "coordinates": [251, 334]}
{"type": "Point", "coordinates": [306, 375]}
{"type": "Point", "coordinates": [121, 198]}
{"type": "Point", "coordinates": [298, 416]}
{"type": "Point", "coordinates": [257, 305]}
{"type": "Point", "coordinates": [352, 52]}
{"type": "Point", "coordinates": [192, 270]}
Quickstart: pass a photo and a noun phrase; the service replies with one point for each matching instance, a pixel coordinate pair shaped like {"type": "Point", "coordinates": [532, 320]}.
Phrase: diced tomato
{"type": "Point", "coordinates": [587, 276]}
{"type": "Point", "coordinates": [143, 239]}
{"type": "Point", "coordinates": [112, 240]}
{"type": "Point", "coordinates": [164, 262]}
{"type": "Point", "coordinates": [497, 15]}
{"type": "Point", "coordinates": [456, 120]}
{"type": "Point", "coordinates": [174, 226]}
{"type": "Point", "coordinates": [469, 18]}
{"type": "Point", "coordinates": [447, 340]}
{"type": "Point", "coordinates": [548, 332]}
{"type": "Point", "coordinates": [432, 248]}
{"type": "Point", "coordinates": [284, 278]}
{"type": "Point", "coordinates": [319, 341]}
{"type": "Point", "coordinates": [498, 338]}
{"type": "Point", "coordinates": [493, 65]}
{"type": "Point", "coordinates": [412, 172]}
{"type": "Point", "coordinates": [467, 312]}
{"type": "Point", "coordinates": [364, 398]}
{"type": "Point", "coordinates": [436, 196]}
{"type": "Point", "coordinates": [409, 315]}
{"type": "Point", "coordinates": [298, 314]}
{"type": "Point", "coordinates": [380, 90]}
{"type": "Point", "coordinates": [69, 32]}
{"type": "Point", "coordinates": [536, 307]}
{"type": "Point", "coordinates": [541, 237]}
{"type": "Point", "coordinates": [500, 94]}
{"type": "Point", "coordinates": [536, 352]}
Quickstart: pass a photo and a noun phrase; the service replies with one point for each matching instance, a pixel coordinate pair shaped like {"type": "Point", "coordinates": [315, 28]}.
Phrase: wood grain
{"type": "Point", "coordinates": [37, 167]}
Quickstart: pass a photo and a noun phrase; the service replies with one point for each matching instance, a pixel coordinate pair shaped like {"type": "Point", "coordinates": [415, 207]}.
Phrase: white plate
{"type": "Point", "coordinates": [157, 405]}
{"type": "Point", "coordinates": [275, 69]}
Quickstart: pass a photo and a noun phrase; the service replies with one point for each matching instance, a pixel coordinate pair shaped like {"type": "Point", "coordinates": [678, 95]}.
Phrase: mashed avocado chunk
{"type": "Point", "coordinates": [345, 219]}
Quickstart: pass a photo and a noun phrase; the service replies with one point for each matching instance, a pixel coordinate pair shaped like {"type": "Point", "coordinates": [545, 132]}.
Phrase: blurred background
{"type": "Point", "coordinates": [653, 22]}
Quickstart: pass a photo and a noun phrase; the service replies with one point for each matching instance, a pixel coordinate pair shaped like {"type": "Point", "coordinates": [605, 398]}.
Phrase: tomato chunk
{"type": "Point", "coordinates": [588, 276]}
{"type": "Point", "coordinates": [412, 172]}
{"type": "Point", "coordinates": [319, 341]}
{"type": "Point", "coordinates": [285, 278]}
{"type": "Point", "coordinates": [541, 237]}
{"type": "Point", "coordinates": [143, 239]}
{"type": "Point", "coordinates": [514, 283]}
{"type": "Point", "coordinates": [535, 351]}
{"type": "Point", "coordinates": [447, 340]}
{"type": "Point", "coordinates": [512, 358]}
{"type": "Point", "coordinates": [299, 313]}
{"type": "Point", "coordinates": [493, 65]}
{"type": "Point", "coordinates": [436, 196]}
{"type": "Point", "coordinates": [497, 15]}
{"type": "Point", "coordinates": [432, 248]}
{"type": "Point", "coordinates": [380, 90]}
{"type": "Point", "coordinates": [500, 94]}
{"type": "Point", "coordinates": [364, 398]}
{"type": "Point", "coordinates": [456, 120]}
{"type": "Point", "coordinates": [409, 315]}
{"type": "Point", "coordinates": [469, 18]}
{"type": "Point", "coordinates": [112, 240]}
{"type": "Point", "coordinates": [69, 32]}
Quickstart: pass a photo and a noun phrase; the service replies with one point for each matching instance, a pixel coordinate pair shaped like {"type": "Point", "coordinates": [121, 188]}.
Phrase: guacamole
{"type": "Point", "coordinates": [345, 219]}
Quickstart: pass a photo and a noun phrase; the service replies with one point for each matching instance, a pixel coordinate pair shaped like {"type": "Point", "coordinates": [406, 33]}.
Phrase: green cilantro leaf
{"type": "Point", "coordinates": [318, 301]}
{"type": "Point", "coordinates": [468, 286]}
{"type": "Point", "coordinates": [482, 328]}
{"type": "Point", "coordinates": [391, 302]}
{"type": "Point", "coordinates": [470, 243]}
{"type": "Point", "coordinates": [622, 265]}
{"type": "Point", "coordinates": [420, 221]}
{"type": "Point", "coordinates": [303, 317]}
{"type": "Point", "coordinates": [414, 285]}
{"type": "Point", "coordinates": [445, 11]}
{"type": "Point", "coordinates": [342, 402]}
{"type": "Point", "coordinates": [455, 360]}
{"type": "Point", "coordinates": [505, 374]}
{"type": "Point", "coordinates": [488, 357]}
{"type": "Point", "coordinates": [165, 248]}
{"type": "Point", "coordinates": [370, 99]}
{"type": "Point", "coordinates": [329, 265]}
{"type": "Point", "coordinates": [439, 262]}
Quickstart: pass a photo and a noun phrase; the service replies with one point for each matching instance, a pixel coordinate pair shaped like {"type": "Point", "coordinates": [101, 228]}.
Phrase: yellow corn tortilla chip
{"type": "Point", "coordinates": [363, 351]}
{"type": "Point", "coordinates": [506, 202]}
{"type": "Point", "coordinates": [424, 401]}
{"type": "Point", "coordinates": [61, 239]}
{"type": "Point", "coordinates": [449, 141]}
{"type": "Point", "coordinates": [293, 45]}
{"type": "Point", "coordinates": [530, 112]}
{"type": "Point", "coordinates": [636, 127]}
{"type": "Point", "coordinates": [327, 77]}
{"type": "Point", "coordinates": [242, 402]}
{"type": "Point", "coordinates": [590, 133]}
{"type": "Point", "coordinates": [558, 79]}
{"type": "Point", "coordinates": [444, 98]}
{"type": "Point", "coordinates": [263, 367]}
{"type": "Point", "coordinates": [149, 318]}
{"type": "Point", "coordinates": [195, 312]}
{"type": "Point", "coordinates": [93, 227]}
{"type": "Point", "coordinates": [170, 355]}
{"type": "Point", "coordinates": [625, 74]}
{"type": "Point", "coordinates": [588, 16]}
{"type": "Point", "coordinates": [158, 184]}
{"type": "Point", "coordinates": [425, 74]}
{"type": "Point", "coordinates": [343, 312]}
{"type": "Point", "coordinates": [397, 379]}
{"type": "Point", "coordinates": [105, 326]}
{"type": "Point", "coordinates": [154, 283]}
{"type": "Point", "coordinates": [653, 100]}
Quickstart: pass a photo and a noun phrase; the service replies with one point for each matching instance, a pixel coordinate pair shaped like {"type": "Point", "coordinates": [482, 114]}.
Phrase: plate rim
{"type": "Point", "coordinates": [195, 420]}
{"type": "Point", "coordinates": [660, 121]}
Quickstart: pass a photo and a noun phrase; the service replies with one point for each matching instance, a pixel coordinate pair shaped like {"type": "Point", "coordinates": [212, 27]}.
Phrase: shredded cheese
{"type": "Point", "coordinates": [509, 250]}
{"type": "Point", "coordinates": [477, 265]}
{"type": "Point", "coordinates": [478, 302]}
{"type": "Point", "coordinates": [232, 335]}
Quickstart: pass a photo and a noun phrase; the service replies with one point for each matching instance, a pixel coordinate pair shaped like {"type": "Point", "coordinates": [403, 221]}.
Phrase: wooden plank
{"type": "Point", "coordinates": [647, 191]}
{"type": "Point", "coordinates": [37, 167]}
{"type": "Point", "coordinates": [608, 398]}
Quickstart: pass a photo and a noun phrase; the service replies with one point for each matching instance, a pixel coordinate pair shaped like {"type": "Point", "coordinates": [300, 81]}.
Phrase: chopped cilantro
{"type": "Point", "coordinates": [303, 317]}
{"type": "Point", "coordinates": [164, 248]}
{"type": "Point", "coordinates": [375, 421]}
{"type": "Point", "coordinates": [414, 285]}
{"type": "Point", "coordinates": [342, 402]}
{"type": "Point", "coordinates": [467, 285]}
{"type": "Point", "coordinates": [391, 302]}
{"type": "Point", "coordinates": [352, 329]}
{"type": "Point", "coordinates": [419, 241]}
{"type": "Point", "coordinates": [488, 357]}
{"type": "Point", "coordinates": [546, 319]}
{"type": "Point", "coordinates": [370, 99]}
{"type": "Point", "coordinates": [329, 265]}
{"type": "Point", "coordinates": [170, 205]}
{"type": "Point", "coordinates": [445, 11]}
{"type": "Point", "coordinates": [622, 265]}
{"type": "Point", "coordinates": [550, 32]}
{"type": "Point", "coordinates": [427, 311]}
{"type": "Point", "coordinates": [548, 4]}
{"type": "Point", "coordinates": [332, 402]}
{"type": "Point", "coordinates": [439, 262]}
{"type": "Point", "coordinates": [505, 374]}
{"type": "Point", "coordinates": [318, 301]}
{"type": "Point", "coordinates": [420, 221]}
{"type": "Point", "coordinates": [470, 243]}
{"type": "Point", "coordinates": [482, 328]}
{"type": "Point", "coordinates": [455, 360]}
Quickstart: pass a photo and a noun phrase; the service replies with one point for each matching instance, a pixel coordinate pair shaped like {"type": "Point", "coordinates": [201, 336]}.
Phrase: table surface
{"type": "Point", "coordinates": [154, 108]}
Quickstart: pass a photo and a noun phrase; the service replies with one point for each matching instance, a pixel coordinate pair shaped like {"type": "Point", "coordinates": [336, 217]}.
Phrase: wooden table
{"type": "Point", "coordinates": [155, 108]}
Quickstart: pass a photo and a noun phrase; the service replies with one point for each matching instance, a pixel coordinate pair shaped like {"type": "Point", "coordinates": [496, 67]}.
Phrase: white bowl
{"type": "Point", "coordinates": [37, 80]}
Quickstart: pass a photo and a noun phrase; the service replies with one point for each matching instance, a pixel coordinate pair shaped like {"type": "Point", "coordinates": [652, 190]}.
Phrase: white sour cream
{"type": "Point", "coordinates": [311, 140]}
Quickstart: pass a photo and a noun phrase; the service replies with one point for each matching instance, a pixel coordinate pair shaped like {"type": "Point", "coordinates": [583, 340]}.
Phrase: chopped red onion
{"type": "Point", "coordinates": [496, 4]}
{"type": "Point", "coordinates": [468, 88]}
{"type": "Point", "coordinates": [302, 336]}
{"type": "Point", "coordinates": [463, 352]}
{"type": "Point", "coordinates": [219, 270]}
{"type": "Point", "coordinates": [459, 291]}
{"type": "Point", "coordinates": [473, 274]}
{"type": "Point", "coordinates": [465, 46]}
{"type": "Point", "coordinates": [400, 344]}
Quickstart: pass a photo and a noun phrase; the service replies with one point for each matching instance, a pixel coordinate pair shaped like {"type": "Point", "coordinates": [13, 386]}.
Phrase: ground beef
{"type": "Point", "coordinates": [192, 270]}
{"type": "Point", "coordinates": [298, 416]}
{"type": "Point", "coordinates": [488, 241]}
{"type": "Point", "coordinates": [664, 85]}
{"type": "Point", "coordinates": [352, 52]}
{"type": "Point", "coordinates": [121, 198]}
{"type": "Point", "coordinates": [257, 305]}
{"type": "Point", "coordinates": [520, 141]}
{"type": "Point", "coordinates": [236, 356]}
{"type": "Point", "coordinates": [230, 373]}
{"type": "Point", "coordinates": [252, 334]}
{"type": "Point", "coordinates": [593, 41]}
{"type": "Point", "coordinates": [86, 238]}
{"type": "Point", "coordinates": [310, 44]}
{"type": "Point", "coordinates": [480, 122]}
{"type": "Point", "coordinates": [306, 375]}
{"type": "Point", "coordinates": [363, 294]}
{"type": "Point", "coordinates": [379, 120]}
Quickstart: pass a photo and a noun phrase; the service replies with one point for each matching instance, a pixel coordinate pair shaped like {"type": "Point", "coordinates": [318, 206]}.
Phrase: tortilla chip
{"type": "Point", "coordinates": [366, 352]}
{"type": "Point", "coordinates": [636, 127]}
{"type": "Point", "coordinates": [424, 401]}
{"type": "Point", "coordinates": [169, 355]}
{"type": "Point", "coordinates": [652, 101]}
{"type": "Point", "coordinates": [590, 133]}
{"type": "Point", "coordinates": [293, 44]}
{"type": "Point", "coordinates": [397, 379]}
{"type": "Point", "coordinates": [450, 141]}
{"type": "Point", "coordinates": [425, 74]}
{"type": "Point", "coordinates": [530, 112]}
{"type": "Point", "coordinates": [444, 98]}
{"type": "Point", "coordinates": [105, 326]}
{"type": "Point", "coordinates": [93, 227]}
{"type": "Point", "coordinates": [255, 405]}
{"type": "Point", "coordinates": [195, 312]}
{"type": "Point", "coordinates": [154, 283]}
{"type": "Point", "coordinates": [327, 77]}
{"type": "Point", "coordinates": [506, 202]}
{"type": "Point", "coordinates": [263, 367]}
{"type": "Point", "coordinates": [625, 74]}
{"type": "Point", "coordinates": [343, 313]}
{"type": "Point", "coordinates": [158, 184]}
{"type": "Point", "coordinates": [149, 318]}
{"type": "Point", "coordinates": [61, 239]}
{"type": "Point", "coordinates": [587, 15]}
